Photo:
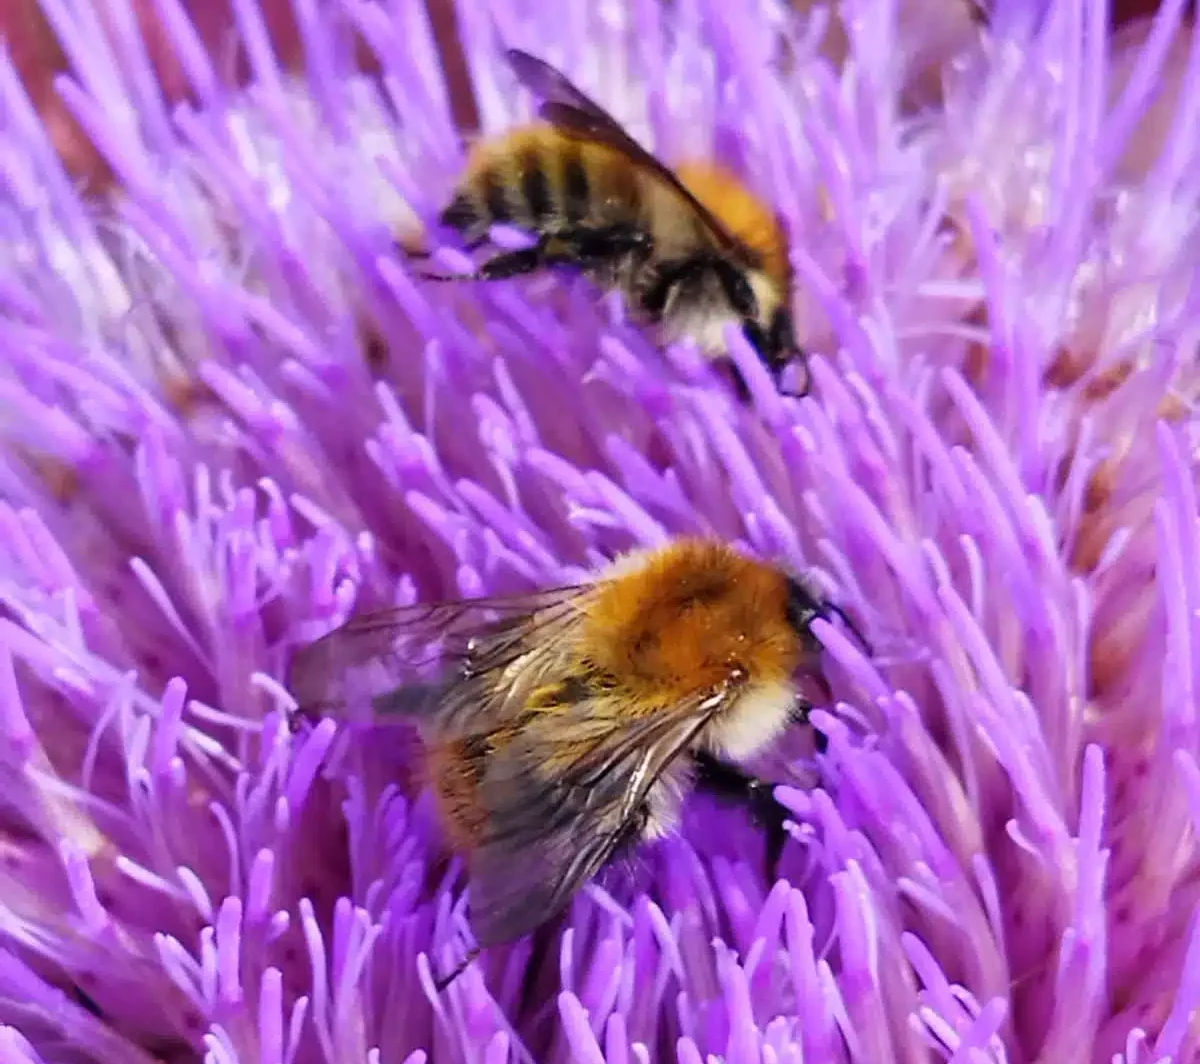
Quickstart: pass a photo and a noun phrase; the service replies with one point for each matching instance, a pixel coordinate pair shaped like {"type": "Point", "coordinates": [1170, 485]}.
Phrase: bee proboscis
{"type": "Point", "coordinates": [565, 726]}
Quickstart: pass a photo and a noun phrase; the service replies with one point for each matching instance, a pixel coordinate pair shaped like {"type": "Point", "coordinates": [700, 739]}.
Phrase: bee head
{"type": "Point", "coordinates": [803, 607]}
{"type": "Point", "coordinates": [766, 320]}
{"type": "Point", "coordinates": [775, 342]}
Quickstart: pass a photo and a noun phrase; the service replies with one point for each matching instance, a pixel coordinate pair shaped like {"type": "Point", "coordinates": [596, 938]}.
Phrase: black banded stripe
{"type": "Point", "coordinates": [535, 187]}
{"type": "Point", "coordinates": [495, 196]}
{"type": "Point", "coordinates": [576, 188]}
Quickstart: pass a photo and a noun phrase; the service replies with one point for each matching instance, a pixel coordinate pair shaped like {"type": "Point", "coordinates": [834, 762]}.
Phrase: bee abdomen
{"type": "Point", "coordinates": [542, 182]}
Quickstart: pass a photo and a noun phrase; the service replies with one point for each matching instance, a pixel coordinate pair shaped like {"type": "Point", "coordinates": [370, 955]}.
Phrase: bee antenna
{"type": "Point", "coordinates": [442, 982]}
{"type": "Point", "coordinates": [426, 275]}
{"type": "Point", "coordinates": [834, 608]}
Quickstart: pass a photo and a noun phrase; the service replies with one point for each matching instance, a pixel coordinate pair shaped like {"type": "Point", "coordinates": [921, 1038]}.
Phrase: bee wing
{"type": "Point", "coordinates": [550, 831]}
{"type": "Point", "coordinates": [413, 652]}
{"type": "Point", "coordinates": [569, 109]}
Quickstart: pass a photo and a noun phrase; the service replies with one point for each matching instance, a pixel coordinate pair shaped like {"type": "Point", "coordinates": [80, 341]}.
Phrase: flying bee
{"type": "Point", "coordinates": [565, 726]}
{"type": "Point", "coordinates": [692, 249]}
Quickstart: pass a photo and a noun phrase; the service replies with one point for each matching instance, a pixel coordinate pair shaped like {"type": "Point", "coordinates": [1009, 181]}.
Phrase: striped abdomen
{"type": "Point", "coordinates": [537, 179]}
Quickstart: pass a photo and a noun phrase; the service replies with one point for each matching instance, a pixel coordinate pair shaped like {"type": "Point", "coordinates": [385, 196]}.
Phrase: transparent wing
{"type": "Point", "coordinates": [404, 659]}
{"type": "Point", "coordinates": [569, 109]}
{"type": "Point", "coordinates": [551, 827]}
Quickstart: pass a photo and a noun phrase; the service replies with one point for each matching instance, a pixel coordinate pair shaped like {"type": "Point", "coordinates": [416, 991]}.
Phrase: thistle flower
{"type": "Point", "coordinates": [232, 415]}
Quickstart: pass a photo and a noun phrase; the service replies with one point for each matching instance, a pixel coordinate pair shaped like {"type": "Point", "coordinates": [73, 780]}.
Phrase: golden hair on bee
{"type": "Point", "coordinates": [565, 726]}
{"type": "Point", "coordinates": [693, 250]}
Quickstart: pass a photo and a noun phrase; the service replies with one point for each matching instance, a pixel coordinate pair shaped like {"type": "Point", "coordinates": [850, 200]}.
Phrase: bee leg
{"type": "Point", "coordinates": [512, 264]}
{"type": "Point", "coordinates": [599, 245]}
{"type": "Point", "coordinates": [498, 267]}
{"type": "Point", "coordinates": [666, 277]}
{"type": "Point", "coordinates": [86, 1001]}
{"type": "Point", "coordinates": [576, 246]}
{"type": "Point", "coordinates": [419, 254]}
{"type": "Point", "coordinates": [443, 981]}
{"type": "Point", "coordinates": [722, 780]}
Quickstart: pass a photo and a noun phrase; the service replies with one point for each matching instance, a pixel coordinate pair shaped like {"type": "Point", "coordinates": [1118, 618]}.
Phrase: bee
{"type": "Point", "coordinates": [563, 728]}
{"type": "Point", "coordinates": [692, 249]}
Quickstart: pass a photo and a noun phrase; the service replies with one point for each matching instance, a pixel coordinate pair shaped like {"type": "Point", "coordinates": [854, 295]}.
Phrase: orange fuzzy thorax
{"type": "Point", "coordinates": [743, 213]}
{"type": "Point", "coordinates": [685, 619]}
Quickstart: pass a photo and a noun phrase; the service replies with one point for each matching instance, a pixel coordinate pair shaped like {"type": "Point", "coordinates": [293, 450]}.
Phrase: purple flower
{"type": "Point", "coordinates": [231, 415]}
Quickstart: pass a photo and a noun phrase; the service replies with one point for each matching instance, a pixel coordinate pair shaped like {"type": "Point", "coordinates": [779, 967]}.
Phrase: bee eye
{"type": "Point", "coordinates": [802, 609]}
